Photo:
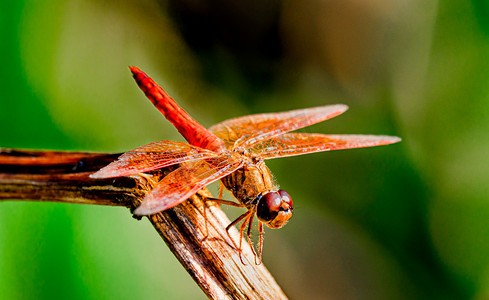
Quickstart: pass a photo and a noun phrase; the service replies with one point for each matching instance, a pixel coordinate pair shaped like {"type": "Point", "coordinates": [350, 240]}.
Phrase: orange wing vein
{"type": "Point", "coordinates": [249, 130]}
{"type": "Point", "coordinates": [184, 182]}
{"type": "Point", "coordinates": [152, 156]}
{"type": "Point", "coordinates": [291, 144]}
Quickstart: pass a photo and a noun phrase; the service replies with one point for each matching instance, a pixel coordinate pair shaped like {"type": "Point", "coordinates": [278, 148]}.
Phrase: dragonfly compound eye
{"type": "Point", "coordinates": [274, 209]}
{"type": "Point", "coordinates": [286, 198]}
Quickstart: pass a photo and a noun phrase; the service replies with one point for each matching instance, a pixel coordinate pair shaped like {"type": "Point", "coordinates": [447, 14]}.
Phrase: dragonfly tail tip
{"type": "Point", "coordinates": [134, 69]}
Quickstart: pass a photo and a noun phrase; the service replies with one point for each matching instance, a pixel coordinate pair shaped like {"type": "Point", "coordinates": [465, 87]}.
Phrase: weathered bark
{"type": "Point", "coordinates": [209, 257]}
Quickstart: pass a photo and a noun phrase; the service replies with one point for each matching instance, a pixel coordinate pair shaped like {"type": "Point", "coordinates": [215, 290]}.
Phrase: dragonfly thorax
{"type": "Point", "coordinates": [250, 182]}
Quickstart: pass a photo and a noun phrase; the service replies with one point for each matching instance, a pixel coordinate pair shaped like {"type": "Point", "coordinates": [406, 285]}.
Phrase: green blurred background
{"type": "Point", "coordinates": [408, 221]}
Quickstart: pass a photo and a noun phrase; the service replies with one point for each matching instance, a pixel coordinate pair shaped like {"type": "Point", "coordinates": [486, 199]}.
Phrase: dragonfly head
{"type": "Point", "coordinates": [275, 208]}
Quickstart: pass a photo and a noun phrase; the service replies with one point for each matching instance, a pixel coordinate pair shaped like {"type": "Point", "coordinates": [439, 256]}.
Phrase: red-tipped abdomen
{"type": "Point", "coordinates": [190, 129]}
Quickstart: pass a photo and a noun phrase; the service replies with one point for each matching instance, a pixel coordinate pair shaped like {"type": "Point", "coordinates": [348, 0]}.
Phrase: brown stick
{"type": "Point", "coordinates": [212, 261]}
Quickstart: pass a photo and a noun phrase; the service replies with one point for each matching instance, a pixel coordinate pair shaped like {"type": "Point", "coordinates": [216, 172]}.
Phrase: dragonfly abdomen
{"type": "Point", "coordinates": [190, 129]}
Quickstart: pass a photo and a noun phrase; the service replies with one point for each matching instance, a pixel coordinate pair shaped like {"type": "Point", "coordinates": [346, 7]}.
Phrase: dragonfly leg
{"type": "Point", "coordinates": [245, 223]}
{"type": "Point", "coordinates": [220, 201]}
{"type": "Point", "coordinates": [227, 202]}
{"type": "Point", "coordinates": [245, 215]}
{"type": "Point", "coordinates": [221, 189]}
{"type": "Point", "coordinates": [260, 247]}
{"type": "Point", "coordinates": [248, 236]}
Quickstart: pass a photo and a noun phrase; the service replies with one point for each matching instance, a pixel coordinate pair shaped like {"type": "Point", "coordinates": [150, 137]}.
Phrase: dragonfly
{"type": "Point", "coordinates": [233, 151]}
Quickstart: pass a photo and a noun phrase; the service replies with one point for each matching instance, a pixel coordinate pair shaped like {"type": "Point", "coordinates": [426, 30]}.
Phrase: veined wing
{"type": "Point", "coordinates": [291, 144]}
{"type": "Point", "coordinates": [249, 130]}
{"type": "Point", "coordinates": [185, 181]}
{"type": "Point", "coordinates": [152, 156]}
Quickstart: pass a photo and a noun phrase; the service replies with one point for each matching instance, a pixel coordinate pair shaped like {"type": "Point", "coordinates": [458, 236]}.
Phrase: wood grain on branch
{"type": "Point", "coordinates": [208, 257]}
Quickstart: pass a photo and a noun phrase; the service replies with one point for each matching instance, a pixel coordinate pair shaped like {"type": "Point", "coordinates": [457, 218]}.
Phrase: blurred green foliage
{"type": "Point", "coordinates": [408, 221]}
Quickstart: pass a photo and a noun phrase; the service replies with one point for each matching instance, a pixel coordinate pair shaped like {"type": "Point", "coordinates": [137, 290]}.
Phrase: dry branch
{"type": "Point", "coordinates": [212, 261]}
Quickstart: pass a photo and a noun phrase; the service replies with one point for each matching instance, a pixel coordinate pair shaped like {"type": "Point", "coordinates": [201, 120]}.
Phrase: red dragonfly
{"type": "Point", "coordinates": [235, 152]}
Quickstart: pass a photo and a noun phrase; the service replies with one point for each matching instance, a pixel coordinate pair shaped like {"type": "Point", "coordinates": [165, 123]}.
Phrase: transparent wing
{"type": "Point", "coordinates": [291, 144]}
{"type": "Point", "coordinates": [185, 181]}
{"type": "Point", "coordinates": [152, 156]}
{"type": "Point", "coordinates": [249, 130]}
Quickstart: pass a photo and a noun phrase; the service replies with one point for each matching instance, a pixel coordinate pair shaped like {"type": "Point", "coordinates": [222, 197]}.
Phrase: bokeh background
{"type": "Point", "coordinates": [407, 221]}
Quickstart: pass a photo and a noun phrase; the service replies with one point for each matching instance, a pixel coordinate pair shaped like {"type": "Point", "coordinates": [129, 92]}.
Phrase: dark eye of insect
{"type": "Point", "coordinates": [268, 206]}
{"type": "Point", "coordinates": [286, 198]}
